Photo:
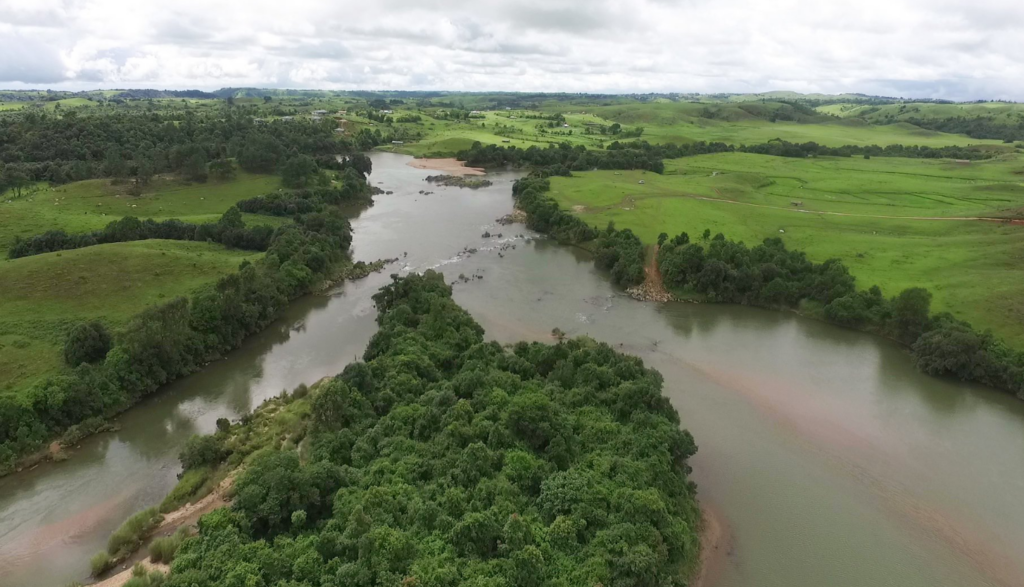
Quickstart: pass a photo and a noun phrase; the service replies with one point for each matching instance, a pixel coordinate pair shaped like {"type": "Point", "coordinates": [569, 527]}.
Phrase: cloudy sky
{"type": "Point", "coordinates": [958, 49]}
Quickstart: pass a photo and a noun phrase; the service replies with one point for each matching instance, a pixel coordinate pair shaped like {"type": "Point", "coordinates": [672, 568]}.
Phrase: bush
{"type": "Point", "coordinates": [202, 451]}
{"type": "Point", "coordinates": [129, 536]}
{"type": "Point", "coordinates": [100, 563]}
{"type": "Point", "coordinates": [190, 483]}
{"type": "Point", "coordinates": [162, 550]}
{"type": "Point", "coordinates": [87, 343]}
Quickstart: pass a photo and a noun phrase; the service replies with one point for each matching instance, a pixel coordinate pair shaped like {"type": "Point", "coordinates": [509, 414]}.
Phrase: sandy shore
{"type": "Point", "coordinates": [715, 544]}
{"type": "Point", "coordinates": [186, 515]}
{"type": "Point", "coordinates": [450, 166]}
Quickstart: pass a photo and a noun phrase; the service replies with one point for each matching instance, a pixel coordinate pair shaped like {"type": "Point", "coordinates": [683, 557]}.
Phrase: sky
{"type": "Point", "coordinates": [950, 49]}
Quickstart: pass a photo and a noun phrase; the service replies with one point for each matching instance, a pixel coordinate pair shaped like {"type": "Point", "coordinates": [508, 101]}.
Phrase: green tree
{"type": "Point", "coordinates": [910, 312]}
{"type": "Point", "coordinates": [222, 169]}
{"type": "Point", "coordinates": [299, 172]}
{"type": "Point", "coordinates": [88, 342]}
{"type": "Point", "coordinates": [202, 451]}
{"type": "Point", "coordinates": [195, 167]}
{"type": "Point", "coordinates": [114, 164]}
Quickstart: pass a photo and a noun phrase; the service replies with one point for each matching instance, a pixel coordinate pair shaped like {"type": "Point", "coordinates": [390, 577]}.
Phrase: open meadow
{"type": "Point", "coordinates": [684, 122]}
{"type": "Point", "coordinates": [890, 220]}
{"type": "Point", "coordinates": [44, 296]}
{"type": "Point", "coordinates": [89, 205]}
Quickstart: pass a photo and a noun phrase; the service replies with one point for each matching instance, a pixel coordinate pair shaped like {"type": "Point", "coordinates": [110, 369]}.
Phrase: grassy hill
{"type": "Point", "coordinates": [837, 207]}
{"type": "Point", "coordinates": [45, 295]}
{"type": "Point", "coordinates": [89, 205]}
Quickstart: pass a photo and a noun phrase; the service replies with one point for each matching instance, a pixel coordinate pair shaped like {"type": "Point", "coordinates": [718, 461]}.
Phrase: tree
{"type": "Point", "coordinates": [662, 238]}
{"type": "Point", "coordinates": [14, 179]}
{"type": "Point", "coordinates": [88, 342]}
{"type": "Point", "coordinates": [222, 169]}
{"type": "Point", "coordinates": [202, 451]}
{"type": "Point", "coordinates": [267, 99]}
{"type": "Point", "coordinates": [195, 167]}
{"type": "Point", "coordinates": [706, 236]}
{"type": "Point", "coordinates": [910, 310]}
{"type": "Point", "coordinates": [299, 172]}
{"type": "Point", "coordinates": [113, 164]}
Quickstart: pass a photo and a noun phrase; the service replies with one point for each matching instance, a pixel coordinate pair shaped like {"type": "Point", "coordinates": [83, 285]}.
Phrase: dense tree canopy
{"type": "Point", "coordinates": [444, 460]}
{"type": "Point", "coordinates": [36, 146]}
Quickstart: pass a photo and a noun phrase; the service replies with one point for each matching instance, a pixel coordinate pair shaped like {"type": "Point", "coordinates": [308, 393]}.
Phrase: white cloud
{"type": "Point", "coordinates": [928, 48]}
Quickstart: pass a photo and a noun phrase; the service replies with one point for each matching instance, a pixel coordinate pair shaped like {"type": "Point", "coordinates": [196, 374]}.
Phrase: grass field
{"type": "Point", "coordinates": [972, 267]}
{"type": "Point", "coordinates": [45, 295]}
{"type": "Point", "coordinates": [663, 122]}
{"type": "Point", "coordinates": [682, 122]}
{"type": "Point", "coordinates": [88, 205]}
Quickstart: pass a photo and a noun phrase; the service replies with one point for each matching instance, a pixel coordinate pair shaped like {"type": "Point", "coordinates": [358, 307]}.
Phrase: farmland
{"type": "Point", "coordinates": [860, 211]}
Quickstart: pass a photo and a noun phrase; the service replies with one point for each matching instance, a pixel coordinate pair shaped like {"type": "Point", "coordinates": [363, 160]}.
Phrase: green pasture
{"type": "Point", "coordinates": [676, 122]}
{"type": "Point", "coordinates": [45, 295]}
{"type": "Point", "coordinates": [972, 267]}
{"type": "Point", "coordinates": [1009, 112]}
{"type": "Point", "coordinates": [88, 205]}
{"type": "Point", "coordinates": [682, 122]}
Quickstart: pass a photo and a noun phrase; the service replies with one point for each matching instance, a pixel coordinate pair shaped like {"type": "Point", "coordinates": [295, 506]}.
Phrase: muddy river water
{"type": "Point", "coordinates": [829, 460]}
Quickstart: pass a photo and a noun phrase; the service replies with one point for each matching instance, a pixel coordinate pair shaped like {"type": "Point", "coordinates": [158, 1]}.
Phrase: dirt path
{"type": "Point", "coordinates": [652, 289]}
{"type": "Point", "coordinates": [630, 201]}
{"type": "Point", "coordinates": [451, 166]}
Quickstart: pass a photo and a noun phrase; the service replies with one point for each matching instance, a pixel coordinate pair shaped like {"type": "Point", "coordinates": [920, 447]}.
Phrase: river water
{"type": "Point", "coordinates": [829, 460]}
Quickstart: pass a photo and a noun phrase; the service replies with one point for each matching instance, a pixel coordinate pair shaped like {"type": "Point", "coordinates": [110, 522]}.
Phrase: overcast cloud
{"type": "Point", "coordinates": [956, 49]}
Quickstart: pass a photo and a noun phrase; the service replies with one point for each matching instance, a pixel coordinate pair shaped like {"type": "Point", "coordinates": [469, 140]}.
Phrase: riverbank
{"type": "Point", "coordinates": [186, 516]}
{"type": "Point", "coordinates": [126, 575]}
{"type": "Point", "coordinates": [451, 166]}
{"type": "Point", "coordinates": [715, 546]}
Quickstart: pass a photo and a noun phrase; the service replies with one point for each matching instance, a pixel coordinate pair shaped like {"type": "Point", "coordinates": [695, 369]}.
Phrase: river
{"type": "Point", "coordinates": [828, 458]}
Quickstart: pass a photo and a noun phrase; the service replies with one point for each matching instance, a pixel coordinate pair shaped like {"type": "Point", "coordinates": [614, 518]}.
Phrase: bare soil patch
{"type": "Point", "coordinates": [450, 165]}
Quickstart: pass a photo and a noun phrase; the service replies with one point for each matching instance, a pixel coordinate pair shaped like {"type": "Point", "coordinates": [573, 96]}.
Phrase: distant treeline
{"type": "Point", "coordinates": [37, 146]}
{"type": "Point", "coordinates": [172, 340]}
{"type": "Point", "coordinates": [979, 127]}
{"type": "Point", "coordinates": [565, 157]}
{"type": "Point", "coordinates": [230, 231]}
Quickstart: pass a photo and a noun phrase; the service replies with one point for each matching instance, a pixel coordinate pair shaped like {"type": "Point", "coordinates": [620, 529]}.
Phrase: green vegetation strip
{"type": "Point", "coordinates": [769, 275]}
{"type": "Point", "coordinates": [444, 459]}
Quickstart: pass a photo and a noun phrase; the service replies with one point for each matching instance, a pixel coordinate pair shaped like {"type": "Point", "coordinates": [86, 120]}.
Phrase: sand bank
{"type": "Point", "coordinates": [450, 165]}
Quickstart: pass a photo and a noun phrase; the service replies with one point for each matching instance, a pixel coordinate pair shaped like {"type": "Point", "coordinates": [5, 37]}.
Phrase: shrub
{"type": "Point", "coordinates": [87, 343]}
{"type": "Point", "coordinates": [189, 486]}
{"type": "Point", "coordinates": [202, 451]}
{"type": "Point", "coordinates": [129, 536]}
{"type": "Point", "coordinates": [162, 550]}
{"type": "Point", "coordinates": [100, 563]}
